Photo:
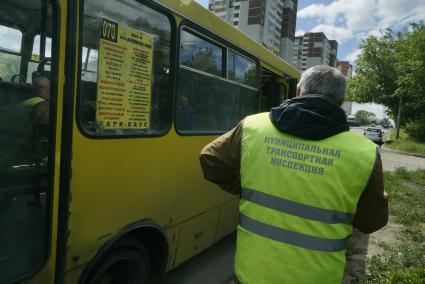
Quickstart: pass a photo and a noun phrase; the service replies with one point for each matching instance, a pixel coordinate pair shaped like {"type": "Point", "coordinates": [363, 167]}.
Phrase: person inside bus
{"type": "Point", "coordinates": [304, 181]}
{"type": "Point", "coordinates": [22, 123]}
{"type": "Point", "coordinates": [185, 116]}
{"type": "Point", "coordinates": [41, 107]}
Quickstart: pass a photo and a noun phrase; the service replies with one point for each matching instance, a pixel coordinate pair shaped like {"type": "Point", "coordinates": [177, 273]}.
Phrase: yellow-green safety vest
{"type": "Point", "coordinates": [16, 127]}
{"type": "Point", "coordinates": [297, 203]}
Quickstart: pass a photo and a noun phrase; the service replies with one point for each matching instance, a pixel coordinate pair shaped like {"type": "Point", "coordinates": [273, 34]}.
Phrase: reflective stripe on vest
{"type": "Point", "coordinates": [297, 209]}
{"type": "Point", "coordinates": [297, 204]}
{"type": "Point", "coordinates": [289, 237]}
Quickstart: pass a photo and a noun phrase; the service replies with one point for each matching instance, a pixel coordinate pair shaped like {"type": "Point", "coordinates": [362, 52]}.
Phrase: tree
{"type": "Point", "coordinates": [204, 59]}
{"type": "Point", "coordinates": [391, 67]}
{"type": "Point", "coordinates": [385, 122]}
{"type": "Point", "coordinates": [375, 79]}
{"type": "Point", "coordinates": [366, 116]}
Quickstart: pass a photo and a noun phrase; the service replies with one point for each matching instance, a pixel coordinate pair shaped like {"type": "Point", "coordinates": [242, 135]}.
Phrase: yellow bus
{"type": "Point", "coordinates": [104, 108]}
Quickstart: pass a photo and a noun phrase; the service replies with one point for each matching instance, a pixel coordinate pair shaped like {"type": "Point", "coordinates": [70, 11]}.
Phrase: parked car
{"type": "Point", "coordinates": [374, 134]}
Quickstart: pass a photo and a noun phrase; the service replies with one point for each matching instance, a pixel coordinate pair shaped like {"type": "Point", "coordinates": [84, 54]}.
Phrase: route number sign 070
{"type": "Point", "coordinates": [109, 30]}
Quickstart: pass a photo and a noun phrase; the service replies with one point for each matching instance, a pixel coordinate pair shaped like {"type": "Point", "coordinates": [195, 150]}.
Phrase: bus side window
{"type": "Point", "coordinates": [211, 99]}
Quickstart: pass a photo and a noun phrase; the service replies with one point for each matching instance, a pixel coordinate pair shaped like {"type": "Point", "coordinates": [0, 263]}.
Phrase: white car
{"type": "Point", "coordinates": [374, 134]}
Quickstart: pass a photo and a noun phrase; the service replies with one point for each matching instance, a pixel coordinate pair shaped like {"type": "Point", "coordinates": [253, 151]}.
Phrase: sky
{"type": "Point", "coordinates": [351, 21]}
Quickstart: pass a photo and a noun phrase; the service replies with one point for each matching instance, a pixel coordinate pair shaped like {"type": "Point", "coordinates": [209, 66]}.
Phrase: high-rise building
{"type": "Point", "coordinates": [314, 49]}
{"type": "Point", "coordinates": [333, 52]}
{"type": "Point", "coordinates": [271, 22]}
{"type": "Point", "coordinates": [289, 20]}
{"type": "Point", "coordinates": [347, 70]}
{"type": "Point", "coordinates": [345, 67]}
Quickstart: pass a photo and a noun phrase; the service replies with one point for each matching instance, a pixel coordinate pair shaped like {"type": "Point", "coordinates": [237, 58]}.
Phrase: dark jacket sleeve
{"type": "Point", "coordinates": [220, 160]}
{"type": "Point", "coordinates": [372, 208]}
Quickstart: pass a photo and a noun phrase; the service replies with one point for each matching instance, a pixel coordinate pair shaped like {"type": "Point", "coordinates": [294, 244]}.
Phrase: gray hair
{"type": "Point", "coordinates": [323, 80]}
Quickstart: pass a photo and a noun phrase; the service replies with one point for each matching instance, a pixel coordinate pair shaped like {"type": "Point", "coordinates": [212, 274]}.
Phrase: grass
{"type": "Point", "coordinates": [405, 144]}
{"type": "Point", "coordinates": [405, 262]}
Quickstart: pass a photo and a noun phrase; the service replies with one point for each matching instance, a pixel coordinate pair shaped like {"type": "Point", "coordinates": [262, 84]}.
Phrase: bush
{"type": "Point", "coordinates": [416, 129]}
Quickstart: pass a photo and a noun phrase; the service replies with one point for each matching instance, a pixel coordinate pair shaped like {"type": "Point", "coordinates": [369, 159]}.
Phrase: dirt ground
{"type": "Point", "coordinates": [365, 246]}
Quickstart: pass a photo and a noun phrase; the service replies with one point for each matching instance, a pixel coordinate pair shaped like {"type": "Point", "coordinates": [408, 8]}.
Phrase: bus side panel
{"type": "Point", "coordinates": [117, 182]}
{"type": "Point", "coordinates": [197, 234]}
{"type": "Point", "coordinates": [72, 276]}
{"type": "Point", "coordinates": [228, 218]}
{"type": "Point", "coordinates": [174, 237]}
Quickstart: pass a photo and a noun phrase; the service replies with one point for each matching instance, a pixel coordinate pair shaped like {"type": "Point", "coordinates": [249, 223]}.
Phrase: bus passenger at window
{"type": "Point", "coordinates": [185, 115]}
{"type": "Point", "coordinates": [23, 126]}
{"type": "Point", "coordinates": [41, 109]}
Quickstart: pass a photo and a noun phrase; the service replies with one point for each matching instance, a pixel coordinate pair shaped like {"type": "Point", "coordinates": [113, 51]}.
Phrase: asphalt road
{"type": "Point", "coordinates": [391, 160]}
{"type": "Point", "coordinates": [215, 265]}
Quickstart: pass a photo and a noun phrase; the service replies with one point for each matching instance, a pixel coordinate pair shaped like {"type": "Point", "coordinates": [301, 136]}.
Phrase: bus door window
{"type": "Point", "coordinates": [273, 92]}
{"type": "Point", "coordinates": [125, 70]}
{"type": "Point", "coordinates": [24, 132]}
{"type": "Point", "coordinates": [35, 59]}
{"type": "Point", "coordinates": [211, 98]}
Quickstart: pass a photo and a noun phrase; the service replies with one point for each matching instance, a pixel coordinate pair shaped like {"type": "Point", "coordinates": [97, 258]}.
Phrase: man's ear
{"type": "Point", "coordinates": [341, 101]}
{"type": "Point", "coordinates": [298, 93]}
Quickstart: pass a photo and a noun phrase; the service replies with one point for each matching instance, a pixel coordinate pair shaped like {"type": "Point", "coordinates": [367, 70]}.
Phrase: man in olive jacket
{"type": "Point", "coordinates": [304, 181]}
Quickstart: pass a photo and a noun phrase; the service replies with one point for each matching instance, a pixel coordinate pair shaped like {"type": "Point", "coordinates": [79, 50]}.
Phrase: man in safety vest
{"type": "Point", "coordinates": [21, 122]}
{"type": "Point", "coordinates": [304, 181]}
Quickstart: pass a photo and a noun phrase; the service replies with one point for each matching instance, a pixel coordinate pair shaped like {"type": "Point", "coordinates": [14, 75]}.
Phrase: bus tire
{"type": "Point", "coordinates": [126, 262]}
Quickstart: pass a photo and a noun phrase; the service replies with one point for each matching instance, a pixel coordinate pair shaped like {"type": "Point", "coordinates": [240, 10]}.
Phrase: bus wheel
{"type": "Point", "coordinates": [127, 262]}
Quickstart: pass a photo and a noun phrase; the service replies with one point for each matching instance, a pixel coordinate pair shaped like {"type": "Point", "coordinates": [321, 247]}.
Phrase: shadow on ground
{"type": "Point", "coordinates": [213, 266]}
{"type": "Point", "coordinates": [356, 257]}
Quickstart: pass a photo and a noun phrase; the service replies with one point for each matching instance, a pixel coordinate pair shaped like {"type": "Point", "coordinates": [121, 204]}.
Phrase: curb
{"type": "Point", "coordinates": [401, 152]}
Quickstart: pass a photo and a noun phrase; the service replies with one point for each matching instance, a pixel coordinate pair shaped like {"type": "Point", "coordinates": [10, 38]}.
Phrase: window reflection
{"type": "Point", "coordinates": [242, 70]}
{"type": "Point", "coordinates": [215, 109]}
{"type": "Point", "coordinates": [200, 54]}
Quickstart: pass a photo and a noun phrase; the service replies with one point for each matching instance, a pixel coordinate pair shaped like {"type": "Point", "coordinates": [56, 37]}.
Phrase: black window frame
{"type": "Point", "coordinates": [210, 36]}
{"type": "Point", "coordinates": [172, 78]}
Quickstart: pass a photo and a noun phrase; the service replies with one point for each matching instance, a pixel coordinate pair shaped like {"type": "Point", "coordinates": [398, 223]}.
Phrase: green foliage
{"type": "Point", "coordinates": [408, 276]}
{"type": "Point", "coordinates": [390, 66]}
{"type": "Point", "coordinates": [375, 79]}
{"type": "Point", "coordinates": [406, 204]}
{"type": "Point", "coordinates": [204, 59]}
{"type": "Point", "coordinates": [405, 262]}
{"type": "Point", "coordinates": [405, 143]}
{"type": "Point", "coordinates": [416, 129]}
{"type": "Point", "coordinates": [385, 122]}
{"type": "Point", "coordinates": [366, 116]}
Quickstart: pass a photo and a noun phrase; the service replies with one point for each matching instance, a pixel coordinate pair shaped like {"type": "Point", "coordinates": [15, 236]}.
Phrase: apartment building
{"type": "Point", "coordinates": [345, 67]}
{"type": "Point", "coordinates": [314, 49]}
{"type": "Point", "coordinates": [270, 22]}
